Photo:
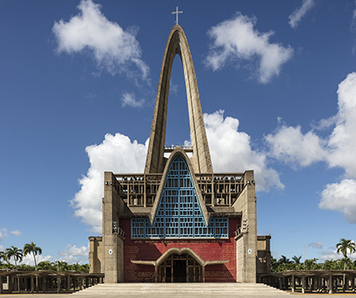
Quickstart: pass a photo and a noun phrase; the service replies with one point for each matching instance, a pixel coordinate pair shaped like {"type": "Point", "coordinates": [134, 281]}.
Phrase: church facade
{"type": "Point", "coordinates": [179, 221]}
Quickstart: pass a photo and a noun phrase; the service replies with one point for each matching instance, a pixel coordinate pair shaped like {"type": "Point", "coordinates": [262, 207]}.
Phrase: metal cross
{"type": "Point", "coordinates": [176, 13]}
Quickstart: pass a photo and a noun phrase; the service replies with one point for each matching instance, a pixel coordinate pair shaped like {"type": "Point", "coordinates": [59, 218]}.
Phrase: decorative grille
{"type": "Point", "coordinates": [179, 214]}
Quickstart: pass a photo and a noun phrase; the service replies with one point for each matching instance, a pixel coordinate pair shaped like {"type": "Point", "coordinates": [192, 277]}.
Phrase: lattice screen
{"type": "Point", "coordinates": [179, 213]}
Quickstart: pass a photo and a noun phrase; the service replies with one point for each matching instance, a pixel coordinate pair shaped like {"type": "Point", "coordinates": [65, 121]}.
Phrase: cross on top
{"type": "Point", "coordinates": [176, 13]}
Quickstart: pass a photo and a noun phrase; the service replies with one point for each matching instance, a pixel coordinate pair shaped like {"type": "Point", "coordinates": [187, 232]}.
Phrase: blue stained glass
{"type": "Point", "coordinates": [179, 214]}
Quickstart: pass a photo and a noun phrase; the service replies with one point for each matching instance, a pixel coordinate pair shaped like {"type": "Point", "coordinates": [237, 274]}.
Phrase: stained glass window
{"type": "Point", "coordinates": [179, 214]}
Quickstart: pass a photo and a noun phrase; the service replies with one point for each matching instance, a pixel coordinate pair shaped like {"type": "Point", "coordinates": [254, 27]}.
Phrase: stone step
{"type": "Point", "coordinates": [128, 289]}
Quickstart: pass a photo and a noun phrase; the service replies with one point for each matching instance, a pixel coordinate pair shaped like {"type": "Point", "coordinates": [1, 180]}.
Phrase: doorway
{"type": "Point", "coordinates": [180, 268]}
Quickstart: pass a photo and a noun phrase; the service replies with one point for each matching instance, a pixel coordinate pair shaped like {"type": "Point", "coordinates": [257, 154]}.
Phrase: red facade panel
{"type": "Point", "coordinates": [207, 249]}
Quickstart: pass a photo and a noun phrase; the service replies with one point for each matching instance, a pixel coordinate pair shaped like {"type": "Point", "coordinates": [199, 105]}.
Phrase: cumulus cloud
{"type": "Point", "coordinates": [340, 197]}
{"type": "Point", "coordinates": [28, 259]}
{"type": "Point", "coordinates": [73, 250]}
{"type": "Point", "coordinates": [231, 151]}
{"type": "Point", "coordinates": [129, 99]}
{"type": "Point", "coordinates": [342, 142]}
{"type": "Point", "coordinates": [16, 233]}
{"type": "Point", "coordinates": [300, 12]}
{"type": "Point", "coordinates": [236, 39]}
{"type": "Point", "coordinates": [290, 145]}
{"type": "Point", "coordinates": [316, 245]}
{"type": "Point", "coordinates": [332, 254]}
{"type": "Point", "coordinates": [113, 48]}
{"type": "Point", "coordinates": [117, 154]}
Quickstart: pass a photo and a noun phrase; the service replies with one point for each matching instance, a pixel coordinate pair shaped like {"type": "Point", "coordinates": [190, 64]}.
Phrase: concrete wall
{"type": "Point", "coordinates": [263, 254]}
{"type": "Point", "coordinates": [247, 248]}
{"type": "Point", "coordinates": [95, 254]}
{"type": "Point", "coordinates": [113, 244]}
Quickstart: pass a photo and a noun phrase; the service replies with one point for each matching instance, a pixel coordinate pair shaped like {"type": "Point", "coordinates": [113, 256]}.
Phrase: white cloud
{"type": "Point", "coordinates": [316, 245]}
{"type": "Point", "coordinates": [117, 154]}
{"type": "Point", "coordinates": [16, 233]}
{"type": "Point", "coordinates": [342, 142]}
{"type": "Point", "coordinates": [74, 254]}
{"type": "Point", "coordinates": [113, 48]}
{"type": "Point", "coordinates": [328, 255]}
{"type": "Point", "coordinates": [128, 99]}
{"type": "Point", "coordinates": [75, 251]}
{"type": "Point", "coordinates": [3, 233]}
{"type": "Point", "coordinates": [290, 145]}
{"type": "Point", "coordinates": [341, 197]}
{"type": "Point", "coordinates": [236, 39]}
{"type": "Point", "coordinates": [28, 259]}
{"type": "Point", "coordinates": [231, 151]}
{"type": "Point", "coordinates": [297, 14]}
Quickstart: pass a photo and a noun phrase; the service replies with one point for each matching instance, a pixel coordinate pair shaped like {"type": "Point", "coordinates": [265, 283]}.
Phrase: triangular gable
{"type": "Point", "coordinates": [178, 212]}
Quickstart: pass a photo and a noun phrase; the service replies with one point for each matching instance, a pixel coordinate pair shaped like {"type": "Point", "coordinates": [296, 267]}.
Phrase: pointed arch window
{"type": "Point", "coordinates": [179, 214]}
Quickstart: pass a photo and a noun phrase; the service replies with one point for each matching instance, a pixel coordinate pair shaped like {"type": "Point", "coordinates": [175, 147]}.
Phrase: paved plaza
{"type": "Point", "coordinates": [179, 290]}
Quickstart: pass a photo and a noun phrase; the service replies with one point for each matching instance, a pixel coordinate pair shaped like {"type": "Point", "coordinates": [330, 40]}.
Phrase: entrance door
{"type": "Point", "coordinates": [180, 268]}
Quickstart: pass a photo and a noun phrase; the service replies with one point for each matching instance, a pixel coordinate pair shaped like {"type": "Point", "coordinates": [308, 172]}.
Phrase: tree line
{"type": "Point", "coordinates": [284, 264]}
{"type": "Point", "coordinates": [17, 255]}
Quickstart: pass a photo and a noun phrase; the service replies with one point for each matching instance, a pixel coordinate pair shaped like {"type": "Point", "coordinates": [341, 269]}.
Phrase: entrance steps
{"type": "Point", "coordinates": [181, 289]}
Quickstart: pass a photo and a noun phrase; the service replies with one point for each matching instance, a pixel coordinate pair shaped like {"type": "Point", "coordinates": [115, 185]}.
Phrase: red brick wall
{"type": "Point", "coordinates": [207, 249]}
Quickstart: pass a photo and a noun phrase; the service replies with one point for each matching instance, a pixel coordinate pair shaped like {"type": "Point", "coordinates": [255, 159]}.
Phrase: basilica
{"type": "Point", "coordinates": [179, 221]}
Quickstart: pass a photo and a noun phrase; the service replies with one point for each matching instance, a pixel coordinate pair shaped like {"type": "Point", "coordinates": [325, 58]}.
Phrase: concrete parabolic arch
{"type": "Point", "coordinates": [177, 44]}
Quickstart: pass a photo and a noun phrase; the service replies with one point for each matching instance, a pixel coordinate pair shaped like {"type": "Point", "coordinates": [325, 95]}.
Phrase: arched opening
{"type": "Point", "coordinates": [180, 268]}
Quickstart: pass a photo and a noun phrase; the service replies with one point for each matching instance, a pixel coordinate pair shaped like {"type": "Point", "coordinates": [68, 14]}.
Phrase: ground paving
{"type": "Point", "coordinates": [178, 290]}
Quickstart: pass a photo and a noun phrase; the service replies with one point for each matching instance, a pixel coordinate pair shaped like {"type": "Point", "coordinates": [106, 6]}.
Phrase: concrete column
{"type": "Point", "coordinates": [32, 284]}
{"type": "Point", "coordinates": [203, 273]}
{"type": "Point", "coordinates": [68, 283]}
{"type": "Point", "coordinates": [293, 283]}
{"type": "Point", "coordinates": [346, 287]}
{"type": "Point", "coordinates": [1, 290]}
{"type": "Point", "coordinates": [59, 280]}
{"type": "Point", "coordinates": [353, 284]}
{"type": "Point", "coordinates": [10, 284]}
{"type": "Point", "coordinates": [280, 283]}
{"type": "Point", "coordinates": [44, 284]}
{"type": "Point", "coordinates": [303, 284]}
{"type": "Point", "coordinates": [330, 284]}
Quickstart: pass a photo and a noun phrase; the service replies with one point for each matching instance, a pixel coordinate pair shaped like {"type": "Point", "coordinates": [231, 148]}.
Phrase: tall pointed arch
{"type": "Point", "coordinates": [177, 44]}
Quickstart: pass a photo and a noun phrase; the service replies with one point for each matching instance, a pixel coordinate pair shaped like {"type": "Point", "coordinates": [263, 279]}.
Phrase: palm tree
{"type": "Point", "coordinates": [31, 248]}
{"type": "Point", "coordinates": [46, 265]}
{"type": "Point", "coordinates": [284, 259]}
{"type": "Point", "coordinates": [62, 266]}
{"type": "Point", "coordinates": [15, 252]}
{"type": "Point", "coordinates": [2, 256]}
{"type": "Point", "coordinates": [345, 245]}
{"type": "Point", "coordinates": [342, 247]}
{"type": "Point", "coordinates": [296, 259]}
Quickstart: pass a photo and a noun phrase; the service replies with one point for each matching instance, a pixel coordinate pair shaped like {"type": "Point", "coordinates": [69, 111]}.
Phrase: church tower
{"type": "Point", "coordinates": [178, 221]}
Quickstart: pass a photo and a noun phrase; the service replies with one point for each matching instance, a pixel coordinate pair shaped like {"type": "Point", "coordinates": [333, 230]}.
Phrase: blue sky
{"type": "Point", "coordinates": [78, 82]}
